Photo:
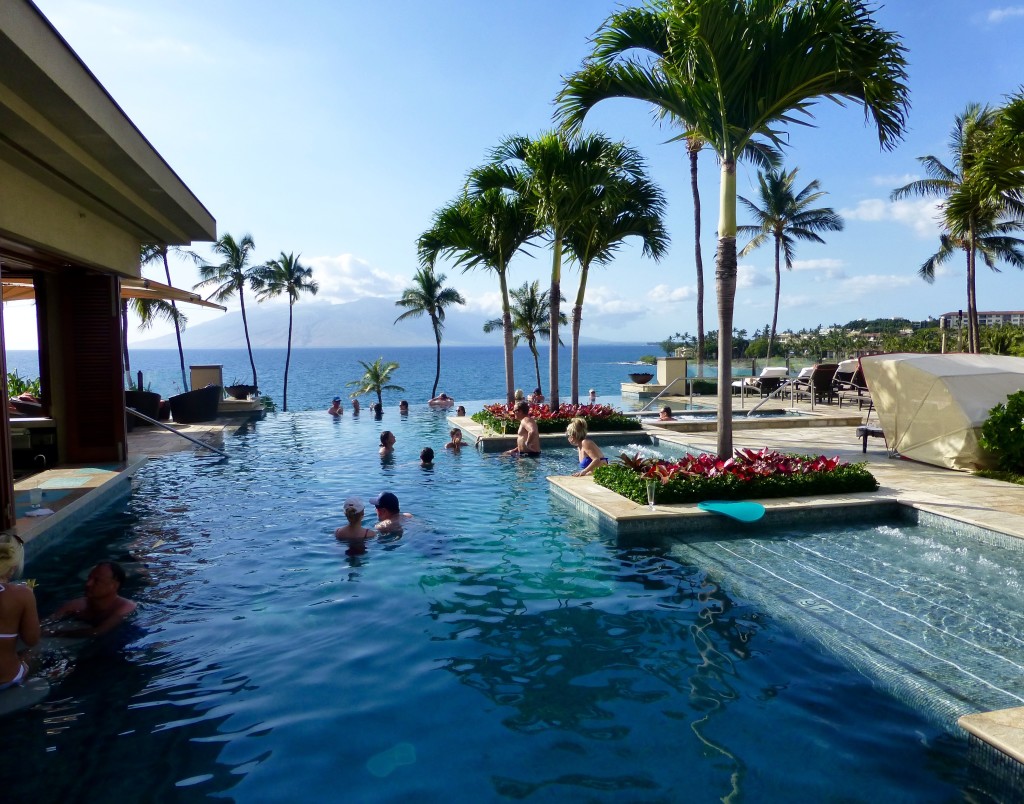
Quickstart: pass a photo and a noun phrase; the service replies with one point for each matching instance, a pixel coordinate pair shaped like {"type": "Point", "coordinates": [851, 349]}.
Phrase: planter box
{"type": "Point", "coordinates": [195, 406]}
{"type": "Point", "coordinates": [146, 403]}
{"type": "Point", "coordinates": [241, 391]}
{"type": "Point", "coordinates": [641, 377]}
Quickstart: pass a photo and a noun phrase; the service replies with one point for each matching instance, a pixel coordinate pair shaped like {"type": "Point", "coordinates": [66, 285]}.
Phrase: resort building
{"type": "Point", "coordinates": [81, 190]}
{"type": "Point", "coordinates": [994, 318]}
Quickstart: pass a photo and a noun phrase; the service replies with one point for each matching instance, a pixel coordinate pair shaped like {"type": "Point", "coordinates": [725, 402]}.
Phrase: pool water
{"type": "Point", "coordinates": [502, 650]}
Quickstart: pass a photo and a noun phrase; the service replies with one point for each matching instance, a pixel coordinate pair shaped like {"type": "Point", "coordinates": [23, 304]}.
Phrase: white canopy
{"type": "Point", "coordinates": [932, 407]}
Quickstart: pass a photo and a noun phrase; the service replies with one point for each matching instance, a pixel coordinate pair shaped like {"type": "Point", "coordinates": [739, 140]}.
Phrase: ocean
{"type": "Point", "coordinates": [468, 373]}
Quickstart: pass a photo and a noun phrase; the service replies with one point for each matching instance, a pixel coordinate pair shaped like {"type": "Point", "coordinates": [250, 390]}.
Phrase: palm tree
{"type": "Point", "coordinates": [284, 275]}
{"type": "Point", "coordinates": [484, 229]}
{"type": "Point", "coordinates": [230, 277]}
{"type": "Point", "coordinates": [151, 253]}
{"type": "Point", "coordinates": [783, 215]}
{"type": "Point", "coordinates": [561, 179]}
{"type": "Point", "coordinates": [975, 220]}
{"type": "Point", "coordinates": [149, 311]}
{"type": "Point", "coordinates": [732, 72]}
{"type": "Point", "coordinates": [531, 319]}
{"type": "Point", "coordinates": [376, 379]}
{"type": "Point", "coordinates": [429, 295]}
{"type": "Point", "coordinates": [631, 206]}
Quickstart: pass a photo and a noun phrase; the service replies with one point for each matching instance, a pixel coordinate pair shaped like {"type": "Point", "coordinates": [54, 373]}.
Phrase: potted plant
{"type": "Point", "coordinates": [145, 401]}
{"type": "Point", "coordinates": [240, 390]}
{"type": "Point", "coordinates": [641, 377]}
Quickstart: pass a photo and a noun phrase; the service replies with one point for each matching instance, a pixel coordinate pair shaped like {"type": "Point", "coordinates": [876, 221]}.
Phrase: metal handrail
{"type": "Point", "coordinates": [661, 393]}
{"type": "Point", "coordinates": [195, 441]}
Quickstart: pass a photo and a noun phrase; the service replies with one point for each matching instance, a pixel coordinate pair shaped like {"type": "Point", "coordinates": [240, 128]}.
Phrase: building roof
{"type": "Point", "coordinates": [61, 127]}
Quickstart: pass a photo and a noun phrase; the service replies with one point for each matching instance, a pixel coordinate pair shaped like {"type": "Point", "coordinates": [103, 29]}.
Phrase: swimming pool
{"type": "Point", "coordinates": [502, 650]}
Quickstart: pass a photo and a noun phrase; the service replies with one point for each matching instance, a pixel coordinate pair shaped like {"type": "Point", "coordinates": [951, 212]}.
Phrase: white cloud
{"type": "Point", "coordinates": [346, 278]}
{"type": "Point", "coordinates": [664, 293]}
{"type": "Point", "coordinates": [921, 215]}
{"type": "Point", "coordinates": [997, 15]}
{"type": "Point", "coordinates": [488, 304]}
{"type": "Point", "coordinates": [893, 182]}
{"type": "Point", "coordinates": [829, 264]}
{"type": "Point", "coordinates": [747, 276]}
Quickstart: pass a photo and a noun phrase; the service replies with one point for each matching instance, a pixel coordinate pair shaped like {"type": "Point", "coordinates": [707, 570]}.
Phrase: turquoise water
{"type": "Point", "coordinates": [502, 650]}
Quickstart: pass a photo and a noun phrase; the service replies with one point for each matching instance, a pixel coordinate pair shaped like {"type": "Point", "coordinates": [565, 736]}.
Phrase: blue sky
{"type": "Point", "coordinates": [336, 129]}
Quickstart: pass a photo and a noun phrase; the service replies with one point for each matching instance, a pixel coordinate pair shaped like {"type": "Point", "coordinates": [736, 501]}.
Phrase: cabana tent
{"type": "Point", "coordinates": [932, 407]}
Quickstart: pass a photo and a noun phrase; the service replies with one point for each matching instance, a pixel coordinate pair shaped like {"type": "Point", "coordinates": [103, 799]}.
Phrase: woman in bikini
{"type": "Point", "coordinates": [590, 454]}
{"type": "Point", "coordinates": [354, 533]}
{"type": "Point", "coordinates": [18, 616]}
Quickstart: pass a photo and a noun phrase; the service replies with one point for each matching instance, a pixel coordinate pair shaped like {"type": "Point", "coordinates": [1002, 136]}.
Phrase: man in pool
{"type": "Point", "coordinates": [102, 609]}
{"type": "Point", "coordinates": [528, 437]}
{"type": "Point", "coordinates": [389, 516]}
{"type": "Point", "coordinates": [335, 409]}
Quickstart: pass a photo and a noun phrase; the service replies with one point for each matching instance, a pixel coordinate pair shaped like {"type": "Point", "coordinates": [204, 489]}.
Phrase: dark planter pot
{"type": "Point", "coordinates": [241, 391]}
{"type": "Point", "coordinates": [199, 405]}
{"type": "Point", "coordinates": [145, 402]}
{"type": "Point", "coordinates": [641, 377]}
{"type": "Point", "coordinates": [165, 410]}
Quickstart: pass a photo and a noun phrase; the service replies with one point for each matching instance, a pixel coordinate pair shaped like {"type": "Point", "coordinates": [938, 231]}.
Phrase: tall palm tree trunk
{"type": "Point", "coordinates": [536, 362]}
{"type": "Point", "coordinates": [973, 335]}
{"type": "Point", "coordinates": [287, 357]}
{"type": "Point", "coordinates": [693, 148]}
{"type": "Point", "coordinates": [577, 322]}
{"type": "Point", "coordinates": [437, 371]}
{"type": "Point", "coordinates": [556, 295]}
{"type": "Point", "coordinates": [725, 286]}
{"type": "Point", "coordinates": [177, 327]}
{"type": "Point", "coordinates": [248, 343]}
{"type": "Point", "coordinates": [124, 341]}
{"type": "Point", "coordinates": [778, 285]}
{"type": "Point", "coordinates": [506, 331]}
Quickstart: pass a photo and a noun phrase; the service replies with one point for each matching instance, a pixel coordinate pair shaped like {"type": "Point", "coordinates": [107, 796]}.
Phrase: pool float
{"type": "Point", "coordinates": [742, 510]}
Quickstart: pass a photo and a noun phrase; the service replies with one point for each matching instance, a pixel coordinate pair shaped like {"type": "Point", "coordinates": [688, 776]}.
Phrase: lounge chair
{"type": "Point", "coordinates": [844, 374]}
{"type": "Point", "coordinates": [856, 390]}
{"type": "Point", "coordinates": [765, 383]}
{"type": "Point", "coordinates": [819, 383]}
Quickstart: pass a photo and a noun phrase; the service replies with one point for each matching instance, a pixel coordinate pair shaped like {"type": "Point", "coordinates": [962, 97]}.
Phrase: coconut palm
{"type": "Point", "coordinates": [285, 275]}
{"type": "Point", "coordinates": [561, 179]}
{"type": "Point", "coordinates": [531, 319]}
{"type": "Point", "coordinates": [148, 311]}
{"type": "Point", "coordinates": [482, 230]}
{"type": "Point", "coordinates": [150, 254]}
{"type": "Point", "coordinates": [376, 379]}
{"type": "Point", "coordinates": [429, 295]}
{"type": "Point", "coordinates": [785, 215]}
{"type": "Point", "coordinates": [230, 277]}
{"type": "Point", "coordinates": [631, 206]}
{"type": "Point", "coordinates": [732, 72]}
{"type": "Point", "coordinates": [975, 220]}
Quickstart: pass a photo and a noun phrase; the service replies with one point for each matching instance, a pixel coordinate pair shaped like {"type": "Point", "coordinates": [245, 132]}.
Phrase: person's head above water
{"type": "Point", "coordinates": [386, 501]}
{"type": "Point", "coordinates": [461, 411]}
{"type": "Point", "coordinates": [577, 430]}
{"type": "Point", "coordinates": [426, 455]}
{"type": "Point", "coordinates": [387, 438]}
{"type": "Point", "coordinates": [403, 405]}
{"type": "Point", "coordinates": [12, 557]}
{"type": "Point", "coordinates": [105, 580]}
{"type": "Point", "coordinates": [353, 509]}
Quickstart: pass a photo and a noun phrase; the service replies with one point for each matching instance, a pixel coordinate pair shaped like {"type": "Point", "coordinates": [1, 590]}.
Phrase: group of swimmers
{"type": "Point", "coordinates": [387, 445]}
{"type": "Point", "coordinates": [528, 440]}
{"type": "Point", "coordinates": [100, 611]}
{"type": "Point", "coordinates": [442, 401]}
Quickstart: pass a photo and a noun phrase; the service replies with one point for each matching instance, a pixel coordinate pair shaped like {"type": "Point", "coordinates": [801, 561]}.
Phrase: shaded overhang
{"type": "Point", "coordinates": [61, 127]}
{"type": "Point", "coordinates": [23, 289]}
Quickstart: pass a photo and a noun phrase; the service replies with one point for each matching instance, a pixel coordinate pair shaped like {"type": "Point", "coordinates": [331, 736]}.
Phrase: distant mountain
{"type": "Point", "coordinates": [323, 325]}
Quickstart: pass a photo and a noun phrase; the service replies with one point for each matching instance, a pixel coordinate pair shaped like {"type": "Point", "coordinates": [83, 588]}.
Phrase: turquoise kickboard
{"type": "Point", "coordinates": [740, 510]}
{"type": "Point", "coordinates": [22, 697]}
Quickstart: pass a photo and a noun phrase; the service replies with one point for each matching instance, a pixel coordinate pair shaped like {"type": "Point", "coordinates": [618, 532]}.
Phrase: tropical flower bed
{"type": "Point", "coordinates": [750, 475]}
{"type": "Point", "coordinates": [600, 418]}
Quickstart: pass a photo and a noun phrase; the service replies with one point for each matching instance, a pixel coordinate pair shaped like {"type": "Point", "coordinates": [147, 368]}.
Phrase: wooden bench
{"type": "Point", "coordinates": [865, 430]}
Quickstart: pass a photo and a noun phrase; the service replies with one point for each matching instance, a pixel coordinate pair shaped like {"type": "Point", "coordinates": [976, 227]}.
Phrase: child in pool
{"type": "Point", "coordinates": [590, 454]}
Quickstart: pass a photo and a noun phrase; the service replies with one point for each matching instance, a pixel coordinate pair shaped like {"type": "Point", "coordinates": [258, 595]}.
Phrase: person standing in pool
{"type": "Point", "coordinates": [336, 409]}
{"type": "Point", "coordinates": [665, 415]}
{"type": "Point", "coordinates": [387, 443]}
{"type": "Point", "coordinates": [528, 437]}
{"type": "Point", "coordinates": [389, 516]}
{"type": "Point", "coordinates": [403, 407]}
{"type": "Point", "coordinates": [19, 618]}
{"type": "Point", "coordinates": [455, 445]}
{"type": "Point", "coordinates": [354, 533]}
{"type": "Point", "coordinates": [102, 609]}
{"type": "Point", "coordinates": [355, 407]}
{"type": "Point", "coordinates": [590, 454]}
{"type": "Point", "coordinates": [426, 457]}
{"type": "Point", "coordinates": [593, 397]}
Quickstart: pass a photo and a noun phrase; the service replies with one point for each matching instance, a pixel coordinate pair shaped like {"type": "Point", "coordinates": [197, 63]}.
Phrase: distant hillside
{"type": "Point", "coordinates": [323, 325]}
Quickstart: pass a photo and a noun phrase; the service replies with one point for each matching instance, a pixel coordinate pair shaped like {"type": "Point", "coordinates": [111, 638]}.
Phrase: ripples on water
{"type": "Point", "coordinates": [501, 650]}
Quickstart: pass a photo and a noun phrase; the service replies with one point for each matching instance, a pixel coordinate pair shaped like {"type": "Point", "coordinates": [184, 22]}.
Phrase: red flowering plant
{"type": "Point", "coordinates": [751, 474]}
{"type": "Point", "coordinates": [600, 418]}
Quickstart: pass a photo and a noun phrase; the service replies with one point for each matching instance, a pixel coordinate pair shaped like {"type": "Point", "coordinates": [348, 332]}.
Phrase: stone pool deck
{"type": "Point", "coordinates": [73, 493]}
